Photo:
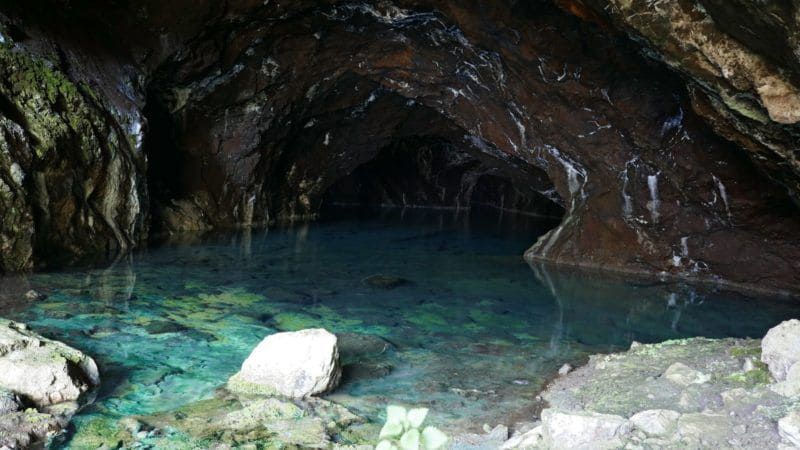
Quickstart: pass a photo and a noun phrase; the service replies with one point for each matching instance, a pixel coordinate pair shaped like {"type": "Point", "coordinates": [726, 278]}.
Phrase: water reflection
{"type": "Point", "coordinates": [474, 334]}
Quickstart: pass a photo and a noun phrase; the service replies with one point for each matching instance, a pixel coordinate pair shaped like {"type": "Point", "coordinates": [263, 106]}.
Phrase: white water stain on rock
{"type": "Point", "coordinates": [723, 193]}
{"type": "Point", "coordinates": [654, 203]}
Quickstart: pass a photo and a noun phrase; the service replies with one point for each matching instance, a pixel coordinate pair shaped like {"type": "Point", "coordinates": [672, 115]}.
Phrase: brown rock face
{"type": "Point", "coordinates": [741, 60]}
{"type": "Point", "coordinates": [261, 112]}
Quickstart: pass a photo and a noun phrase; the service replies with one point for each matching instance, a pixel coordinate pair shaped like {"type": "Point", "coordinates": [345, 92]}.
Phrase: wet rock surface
{"type": "Point", "coordinates": [741, 64]}
{"type": "Point", "coordinates": [71, 167]}
{"type": "Point", "coordinates": [40, 383]}
{"type": "Point", "coordinates": [43, 371]}
{"type": "Point", "coordinates": [230, 421]}
{"type": "Point", "coordinates": [252, 113]}
{"type": "Point", "coordinates": [692, 393]}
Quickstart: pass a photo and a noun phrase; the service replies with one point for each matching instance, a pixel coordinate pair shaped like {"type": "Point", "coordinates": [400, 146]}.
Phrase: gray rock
{"type": "Point", "coordinates": [565, 369]}
{"type": "Point", "coordinates": [9, 402]}
{"type": "Point", "coordinates": [583, 430]}
{"type": "Point", "coordinates": [790, 387]}
{"type": "Point", "coordinates": [705, 426]}
{"type": "Point", "coordinates": [655, 422]}
{"type": "Point", "coordinates": [42, 370]}
{"type": "Point", "coordinates": [491, 439]}
{"type": "Point", "coordinates": [35, 295]}
{"type": "Point", "coordinates": [528, 440]}
{"type": "Point", "coordinates": [789, 428]}
{"type": "Point", "coordinates": [292, 364]}
{"type": "Point", "coordinates": [780, 348]}
{"type": "Point", "coordinates": [683, 375]}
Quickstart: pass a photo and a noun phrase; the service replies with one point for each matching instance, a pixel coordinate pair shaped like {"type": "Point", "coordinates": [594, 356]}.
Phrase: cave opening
{"type": "Point", "coordinates": [433, 172]}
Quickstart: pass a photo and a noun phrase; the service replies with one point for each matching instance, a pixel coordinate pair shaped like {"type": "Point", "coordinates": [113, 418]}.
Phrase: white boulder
{"type": "Point", "coordinates": [42, 370]}
{"type": "Point", "coordinates": [789, 428]}
{"type": "Point", "coordinates": [293, 364]}
{"type": "Point", "coordinates": [583, 430]}
{"type": "Point", "coordinates": [655, 422]}
{"type": "Point", "coordinates": [780, 348]}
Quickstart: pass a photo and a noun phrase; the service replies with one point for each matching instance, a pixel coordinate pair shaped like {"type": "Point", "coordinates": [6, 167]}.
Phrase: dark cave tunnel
{"type": "Point", "coordinates": [388, 152]}
{"type": "Point", "coordinates": [430, 172]}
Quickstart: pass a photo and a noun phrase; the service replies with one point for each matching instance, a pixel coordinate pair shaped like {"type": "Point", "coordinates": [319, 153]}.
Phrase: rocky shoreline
{"type": "Point", "coordinates": [41, 383]}
{"type": "Point", "coordinates": [691, 393]}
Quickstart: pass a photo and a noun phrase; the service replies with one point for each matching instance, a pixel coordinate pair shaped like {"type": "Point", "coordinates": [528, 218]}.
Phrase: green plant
{"type": "Point", "coordinates": [403, 431]}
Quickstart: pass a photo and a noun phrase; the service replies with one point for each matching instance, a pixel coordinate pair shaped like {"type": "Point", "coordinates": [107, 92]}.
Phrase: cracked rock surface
{"type": "Point", "coordinates": [690, 393]}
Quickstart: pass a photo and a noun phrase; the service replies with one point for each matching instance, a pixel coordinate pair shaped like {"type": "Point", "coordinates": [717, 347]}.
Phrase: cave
{"type": "Point", "coordinates": [427, 172]}
{"type": "Point", "coordinates": [399, 224]}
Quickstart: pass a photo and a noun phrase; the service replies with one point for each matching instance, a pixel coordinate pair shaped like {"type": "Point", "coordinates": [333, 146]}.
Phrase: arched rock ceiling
{"type": "Point", "coordinates": [255, 108]}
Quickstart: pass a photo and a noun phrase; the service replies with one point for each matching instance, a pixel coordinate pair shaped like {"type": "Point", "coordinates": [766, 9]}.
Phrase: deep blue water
{"type": "Point", "coordinates": [475, 332]}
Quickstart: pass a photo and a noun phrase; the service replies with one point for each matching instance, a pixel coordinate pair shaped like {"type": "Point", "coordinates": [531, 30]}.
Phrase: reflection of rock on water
{"type": "Point", "coordinates": [592, 307]}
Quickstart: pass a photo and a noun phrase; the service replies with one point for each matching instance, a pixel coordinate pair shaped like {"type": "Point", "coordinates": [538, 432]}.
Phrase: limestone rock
{"type": "Point", "coordinates": [583, 430]}
{"type": "Point", "coordinates": [655, 422]}
{"type": "Point", "coordinates": [491, 438]}
{"type": "Point", "coordinates": [789, 427]}
{"type": "Point", "coordinates": [529, 439]}
{"type": "Point", "coordinates": [42, 370]}
{"type": "Point", "coordinates": [780, 348]}
{"type": "Point", "coordinates": [705, 426]}
{"type": "Point", "coordinates": [292, 364]}
{"type": "Point", "coordinates": [683, 375]}
{"type": "Point", "coordinates": [790, 387]}
{"type": "Point", "coordinates": [23, 429]}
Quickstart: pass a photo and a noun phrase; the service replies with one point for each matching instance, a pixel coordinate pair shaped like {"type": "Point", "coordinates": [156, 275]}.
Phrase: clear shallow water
{"type": "Point", "coordinates": [474, 335]}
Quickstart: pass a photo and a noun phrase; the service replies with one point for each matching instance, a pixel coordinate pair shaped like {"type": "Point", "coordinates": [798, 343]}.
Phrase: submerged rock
{"type": "Point", "coordinates": [780, 348]}
{"type": "Point", "coordinates": [231, 421]}
{"type": "Point", "coordinates": [293, 364]}
{"type": "Point", "coordinates": [42, 370]}
{"type": "Point", "coordinates": [385, 281]}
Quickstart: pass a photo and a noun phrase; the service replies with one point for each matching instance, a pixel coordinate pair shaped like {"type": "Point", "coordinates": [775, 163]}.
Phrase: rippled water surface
{"type": "Point", "coordinates": [473, 334]}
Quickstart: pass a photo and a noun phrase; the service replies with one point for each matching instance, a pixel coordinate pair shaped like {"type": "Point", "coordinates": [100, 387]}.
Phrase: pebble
{"type": "Point", "coordinates": [35, 295]}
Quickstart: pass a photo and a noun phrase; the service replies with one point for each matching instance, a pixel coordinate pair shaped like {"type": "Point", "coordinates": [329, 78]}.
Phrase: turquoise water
{"type": "Point", "coordinates": [473, 333]}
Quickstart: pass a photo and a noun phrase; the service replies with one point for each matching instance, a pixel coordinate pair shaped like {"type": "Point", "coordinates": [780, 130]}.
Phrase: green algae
{"type": "Point", "coordinates": [99, 432]}
{"type": "Point", "coordinates": [756, 376]}
{"type": "Point", "coordinates": [746, 352]}
{"type": "Point", "coordinates": [256, 422]}
{"type": "Point", "coordinates": [456, 345]}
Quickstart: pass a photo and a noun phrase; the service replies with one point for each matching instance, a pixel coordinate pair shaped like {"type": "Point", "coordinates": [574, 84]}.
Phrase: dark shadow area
{"type": "Point", "coordinates": [431, 172]}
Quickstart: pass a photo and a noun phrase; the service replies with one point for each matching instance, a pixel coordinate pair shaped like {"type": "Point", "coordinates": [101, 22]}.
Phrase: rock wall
{"type": "Point", "coordinates": [71, 163]}
{"type": "Point", "coordinates": [255, 110]}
